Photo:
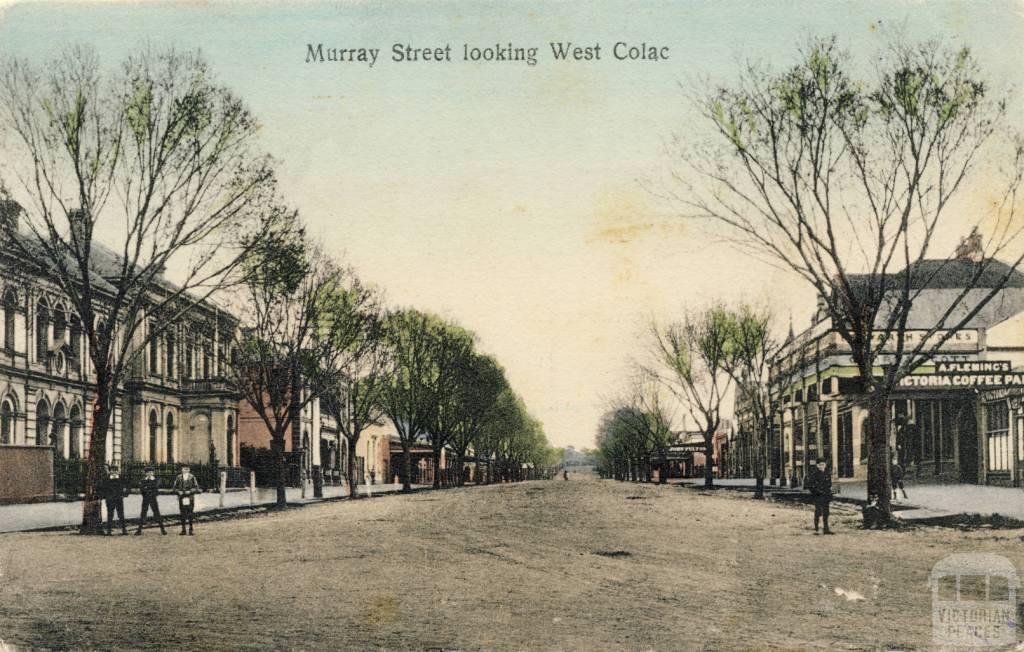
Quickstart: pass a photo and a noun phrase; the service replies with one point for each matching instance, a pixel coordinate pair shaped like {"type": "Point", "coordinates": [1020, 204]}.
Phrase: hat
{"type": "Point", "coordinates": [821, 460]}
{"type": "Point", "coordinates": [148, 469]}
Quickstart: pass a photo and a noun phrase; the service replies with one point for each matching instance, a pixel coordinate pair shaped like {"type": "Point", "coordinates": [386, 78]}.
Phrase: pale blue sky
{"type": "Point", "coordinates": [502, 195]}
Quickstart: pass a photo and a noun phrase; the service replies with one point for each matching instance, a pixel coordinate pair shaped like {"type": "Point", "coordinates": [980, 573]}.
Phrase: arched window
{"type": "Point", "coordinates": [169, 369]}
{"type": "Point", "coordinates": [6, 422]}
{"type": "Point", "coordinates": [231, 441]}
{"type": "Point", "coordinates": [10, 310]}
{"type": "Point", "coordinates": [170, 438]}
{"type": "Point", "coordinates": [60, 325]}
{"type": "Point", "coordinates": [75, 448]}
{"type": "Point", "coordinates": [42, 423]}
{"type": "Point", "coordinates": [42, 331]}
{"type": "Point", "coordinates": [154, 426]}
{"type": "Point", "coordinates": [57, 431]}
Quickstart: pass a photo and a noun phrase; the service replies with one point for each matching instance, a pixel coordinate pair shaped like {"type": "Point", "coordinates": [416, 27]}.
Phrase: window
{"type": "Point", "coordinates": [42, 423]}
{"type": "Point", "coordinates": [927, 426]}
{"type": "Point", "coordinates": [231, 441]}
{"type": "Point", "coordinates": [998, 430]}
{"type": "Point", "coordinates": [57, 424]}
{"type": "Point", "coordinates": [154, 353]}
{"type": "Point", "coordinates": [170, 438]}
{"type": "Point", "coordinates": [42, 331]}
{"type": "Point", "coordinates": [75, 451]}
{"type": "Point", "coordinates": [170, 356]}
{"type": "Point", "coordinates": [206, 361]}
{"type": "Point", "coordinates": [60, 325]}
{"type": "Point", "coordinates": [154, 426]}
{"type": "Point", "coordinates": [10, 310]}
{"type": "Point", "coordinates": [6, 423]}
{"type": "Point", "coordinates": [190, 345]}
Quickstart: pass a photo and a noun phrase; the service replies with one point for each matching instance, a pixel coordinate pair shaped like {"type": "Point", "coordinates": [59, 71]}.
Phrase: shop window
{"type": "Point", "coordinates": [927, 425]}
{"type": "Point", "coordinates": [998, 432]}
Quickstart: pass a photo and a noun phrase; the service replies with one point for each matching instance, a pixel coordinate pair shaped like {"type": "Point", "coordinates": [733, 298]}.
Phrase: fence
{"type": "Point", "coordinates": [69, 475]}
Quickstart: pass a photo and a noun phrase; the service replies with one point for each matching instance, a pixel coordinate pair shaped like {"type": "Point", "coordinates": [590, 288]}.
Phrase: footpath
{"type": "Point", "coordinates": [53, 515]}
{"type": "Point", "coordinates": [924, 502]}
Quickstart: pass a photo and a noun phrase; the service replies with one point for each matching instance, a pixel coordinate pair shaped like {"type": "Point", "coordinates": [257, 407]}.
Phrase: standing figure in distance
{"type": "Point", "coordinates": [897, 479]}
{"type": "Point", "coordinates": [819, 483]}
{"type": "Point", "coordinates": [149, 487]}
{"type": "Point", "coordinates": [186, 486]}
{"type": "Point", "coordinates": [114, 491]}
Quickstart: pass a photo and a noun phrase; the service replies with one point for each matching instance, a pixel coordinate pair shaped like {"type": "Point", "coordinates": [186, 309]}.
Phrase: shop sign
{"type": "Point", "coordinates": [962, 381]}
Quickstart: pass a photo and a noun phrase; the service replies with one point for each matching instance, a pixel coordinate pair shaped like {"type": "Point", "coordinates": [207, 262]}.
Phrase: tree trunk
{"type": "Point", "coordinates": [879, 481]}
{"type": "Point", "coordinates": [92, 514]}
{"type": "Point", "coordinates": [460, 463]}
{"type": "Point", "coordinates": [277, 445]}
{"type": "Point", "coordinates": [406, 467]}
{"type": "Point", "coordinates": [709, 459]}
{"type": "Point", "coordinates": [350, 472]}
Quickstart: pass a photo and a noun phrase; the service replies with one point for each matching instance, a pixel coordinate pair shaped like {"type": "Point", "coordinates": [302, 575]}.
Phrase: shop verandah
{"type": "Point", "coordinates": [939, 436]}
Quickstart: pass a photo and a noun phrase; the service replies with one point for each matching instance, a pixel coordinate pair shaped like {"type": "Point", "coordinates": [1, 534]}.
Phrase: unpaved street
{"type": "Point", "coordinates": [584, 564]}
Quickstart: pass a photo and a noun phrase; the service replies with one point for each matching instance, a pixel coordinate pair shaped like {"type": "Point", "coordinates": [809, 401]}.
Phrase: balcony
{"type": "Point", "coordinates": [206, 386]}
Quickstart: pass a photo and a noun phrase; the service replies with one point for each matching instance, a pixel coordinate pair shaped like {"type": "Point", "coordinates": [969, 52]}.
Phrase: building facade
{"type": "Point", "coordinates": [957, 418]}
{"type": "Point", "coordinates": [173, 405]}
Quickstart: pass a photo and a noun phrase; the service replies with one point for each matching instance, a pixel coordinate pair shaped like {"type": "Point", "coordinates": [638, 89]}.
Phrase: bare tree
{"type": "Point", "coordinates": [848, 183]}
{"type": "Point", "coordinates": [692, 358]}
{"type": "Point", "coordinates": [160, 160]}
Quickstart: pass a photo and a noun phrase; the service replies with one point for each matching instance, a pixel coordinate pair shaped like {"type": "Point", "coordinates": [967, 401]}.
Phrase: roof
{"type": "Point", "coordinates": [937, 284]}
{"type": "Point", "coordinates": [946, 273]}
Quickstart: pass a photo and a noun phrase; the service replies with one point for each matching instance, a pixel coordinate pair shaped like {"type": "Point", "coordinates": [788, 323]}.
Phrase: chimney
{"type": "Point", "coordinates": [10, 211]}
{"type": "Point", "coordinates": [970, 247]}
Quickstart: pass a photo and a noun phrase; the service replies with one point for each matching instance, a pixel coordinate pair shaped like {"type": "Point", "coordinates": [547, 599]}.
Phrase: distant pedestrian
{"type": "Point", "coordinates": [897, 479]}
{"type": "Point", "coordinates": [149, 487]}
{"type": "Point", "coordinates": [565, 474]}
{"type": "Point", "coordinates": [114, 491]}
{"type": "Point", "coordinates": [819, 483]}
{"type": "Point", "coordinates": [186, 486]}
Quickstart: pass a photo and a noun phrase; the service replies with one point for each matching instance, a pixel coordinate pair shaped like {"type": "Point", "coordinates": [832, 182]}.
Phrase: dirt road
{"type": "Point", "coordinates": [578, 565]}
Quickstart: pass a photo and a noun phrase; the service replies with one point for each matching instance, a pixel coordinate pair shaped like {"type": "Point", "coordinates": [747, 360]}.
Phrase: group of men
{"type": "Point", "coordinates": [115, 488]}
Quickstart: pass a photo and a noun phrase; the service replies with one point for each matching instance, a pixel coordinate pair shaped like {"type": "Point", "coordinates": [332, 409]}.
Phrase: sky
{"type": "Point", "coordinates": [514, 199]}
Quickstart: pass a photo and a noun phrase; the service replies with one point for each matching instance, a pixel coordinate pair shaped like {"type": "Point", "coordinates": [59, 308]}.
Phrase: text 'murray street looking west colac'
{"type": "Point", "coordinates": [497, 53]}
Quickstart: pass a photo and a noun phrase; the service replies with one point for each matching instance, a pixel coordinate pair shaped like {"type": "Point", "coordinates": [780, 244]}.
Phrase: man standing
{"type": "Point", "coordinates": [819, 483]}
{"type": "Point", "coordinates": [186, 486]}
{"type": "Point", "coordinates": [114, 491]}
{"type": "Point", "coordinates": [897, 479]}
{"type": "Point", "coordinates": [150, 489]}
